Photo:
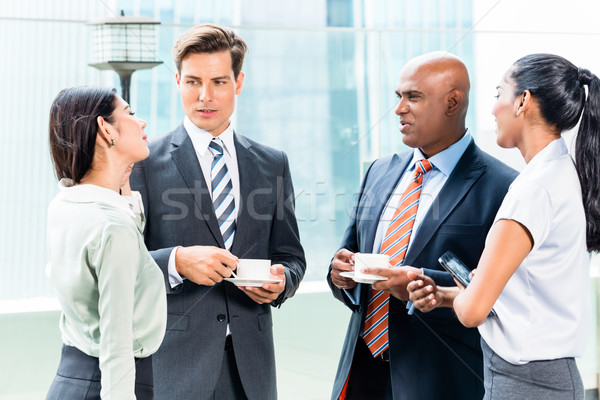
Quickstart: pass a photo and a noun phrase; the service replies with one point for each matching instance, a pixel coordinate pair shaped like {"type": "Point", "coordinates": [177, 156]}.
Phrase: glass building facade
{"type": "Point", "coordinates": [319, 85]}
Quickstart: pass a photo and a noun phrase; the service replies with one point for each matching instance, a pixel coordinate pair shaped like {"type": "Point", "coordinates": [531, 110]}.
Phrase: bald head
{"type": "Point", "coordinates": [443, 70]}
{"type": "Point", "coordinates": [434, 96]}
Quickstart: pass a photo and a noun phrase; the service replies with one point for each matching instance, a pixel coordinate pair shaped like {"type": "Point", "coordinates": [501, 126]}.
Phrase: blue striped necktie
{"type": "Point", "coordinates": [222, 195]}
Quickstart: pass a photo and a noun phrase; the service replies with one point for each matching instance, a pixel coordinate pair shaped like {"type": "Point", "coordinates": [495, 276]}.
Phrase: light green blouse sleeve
{"type": "Point", "coordinates": [116, 263]}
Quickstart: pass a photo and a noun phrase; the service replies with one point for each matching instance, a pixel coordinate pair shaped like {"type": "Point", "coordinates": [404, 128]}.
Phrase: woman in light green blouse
{"type": "Point", "coordinates": [111, 291]}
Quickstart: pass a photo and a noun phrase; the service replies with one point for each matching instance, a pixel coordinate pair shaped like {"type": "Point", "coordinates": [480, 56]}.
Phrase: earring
{"type": "Point", "coordinates": [112, 142]}
{"type": "Point", "coordinates": [518, 111]}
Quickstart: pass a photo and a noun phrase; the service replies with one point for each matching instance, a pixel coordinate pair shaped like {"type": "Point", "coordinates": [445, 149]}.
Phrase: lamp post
{"type": "Point", "coordinates": [124, 44]}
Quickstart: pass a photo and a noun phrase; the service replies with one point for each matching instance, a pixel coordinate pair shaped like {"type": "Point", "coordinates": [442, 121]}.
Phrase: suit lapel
{"type": "Point", "coordinates": [185, 158]}
{"type": "Point", "coordinates": [463, 177]}
{"type": "Point", "coordinates": [384, 185]}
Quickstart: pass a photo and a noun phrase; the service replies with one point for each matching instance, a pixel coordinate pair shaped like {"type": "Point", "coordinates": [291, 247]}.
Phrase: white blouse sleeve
{"type": "Point", "coordinates": [117, 264]}
{"type": "Point", "coordinates": [529, 204]}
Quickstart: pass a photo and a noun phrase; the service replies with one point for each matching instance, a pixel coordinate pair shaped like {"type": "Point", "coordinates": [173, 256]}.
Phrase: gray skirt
{"type": "Point", "coordinates": [78, 377]}
{"type": "Point", "coordinates": [546, 379]}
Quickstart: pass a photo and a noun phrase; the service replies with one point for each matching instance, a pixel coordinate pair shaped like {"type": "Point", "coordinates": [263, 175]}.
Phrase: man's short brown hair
{"type": "Point", "coordinates": [209, 38]}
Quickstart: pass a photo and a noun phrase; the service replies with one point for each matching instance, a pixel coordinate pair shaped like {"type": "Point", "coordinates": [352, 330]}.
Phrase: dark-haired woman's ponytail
{"type": "Point", "coordinates": [587, 157]}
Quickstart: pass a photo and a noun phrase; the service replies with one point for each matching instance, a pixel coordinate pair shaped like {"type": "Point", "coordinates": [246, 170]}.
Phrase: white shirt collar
{"type": "Point", "coordinates": [553, 150]}
{"type": "Point", "coordinates": [445, 160]}
{"type": "Point", "coordinates": [202, 138]}
{"type": "Point", "coordinates": [88, 193]}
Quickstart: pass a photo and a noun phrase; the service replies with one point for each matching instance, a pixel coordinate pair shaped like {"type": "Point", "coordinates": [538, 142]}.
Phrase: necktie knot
{"type": "Point", "coordinates": [423, 166]}
{"type": "Point", "coordinates": [216, 147]}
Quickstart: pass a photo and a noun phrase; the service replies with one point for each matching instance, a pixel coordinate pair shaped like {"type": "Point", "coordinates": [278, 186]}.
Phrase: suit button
{"type": "Point", "coordinates": [221, 317]}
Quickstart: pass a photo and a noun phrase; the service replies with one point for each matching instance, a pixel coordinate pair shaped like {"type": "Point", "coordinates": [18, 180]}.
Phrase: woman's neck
{"type": "Point", "coordinates": [535, 138]}
{"type": "Point", "coordinates": [105, 174]}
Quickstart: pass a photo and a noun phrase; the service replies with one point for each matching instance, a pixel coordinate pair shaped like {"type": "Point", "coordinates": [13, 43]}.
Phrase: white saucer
{"type": "Point", "coordinates": [365, 278]}
{"type": "Point", "coordinates": [251, 282]}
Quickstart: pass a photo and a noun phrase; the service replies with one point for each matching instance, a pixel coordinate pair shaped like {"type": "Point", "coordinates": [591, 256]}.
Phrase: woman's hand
{"type": "Point", "coordinates": [426, 295]}
{"type": "Point", "coordinates": [422, 291]}
{"type": "Point", "coordinates": [472, 274]}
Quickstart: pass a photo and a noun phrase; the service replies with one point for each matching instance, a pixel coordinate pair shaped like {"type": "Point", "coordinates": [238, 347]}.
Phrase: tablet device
{"type": "Point", "coordinates": [457, 268]}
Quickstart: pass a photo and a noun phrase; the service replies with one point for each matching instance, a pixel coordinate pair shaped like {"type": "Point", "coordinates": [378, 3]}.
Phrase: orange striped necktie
{"type": "Point", "coordinates": [395, 244]}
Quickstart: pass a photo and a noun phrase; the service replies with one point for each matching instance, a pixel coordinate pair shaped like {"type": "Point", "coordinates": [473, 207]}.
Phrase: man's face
{"type": "Point", "coordinates": [208, 88]}
{"type": "Point", "coordinates": [422, 102]}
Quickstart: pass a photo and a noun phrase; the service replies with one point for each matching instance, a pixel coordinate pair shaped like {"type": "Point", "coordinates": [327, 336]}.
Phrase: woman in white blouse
{"type": "Point", "coordinates": [534, 270]}
{"type": "Point", "coordinates": [111, 291]}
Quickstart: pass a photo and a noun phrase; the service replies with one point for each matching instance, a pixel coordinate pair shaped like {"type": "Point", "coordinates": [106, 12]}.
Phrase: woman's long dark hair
{"type": "Point", "coordinates": [559, 87]}
{"type": "Point", "coordinates": [73, 128]}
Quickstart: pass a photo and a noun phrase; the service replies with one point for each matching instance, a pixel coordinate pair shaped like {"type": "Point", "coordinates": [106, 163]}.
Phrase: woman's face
{"type": "Point", "coordinates": [508, 124]}
{"type": "Point", "coordinates": [131, 140]}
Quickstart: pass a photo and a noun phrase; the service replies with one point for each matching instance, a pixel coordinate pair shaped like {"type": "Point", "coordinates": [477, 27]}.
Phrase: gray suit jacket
{"type": "Point", "coordinates": [432, 356]}
{"type": "Point", "coordinates": [179, 212]}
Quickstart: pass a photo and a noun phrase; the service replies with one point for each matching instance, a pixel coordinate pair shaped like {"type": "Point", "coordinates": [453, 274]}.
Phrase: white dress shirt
{"type": "Point", "coordinates": [200, 140]}
{"type": "Point", "coordinates": [541, 313]}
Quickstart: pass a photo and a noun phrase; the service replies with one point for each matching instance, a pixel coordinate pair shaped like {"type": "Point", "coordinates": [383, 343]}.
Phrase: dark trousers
{"type": "Point", "coordinates": [78, 377]}
{"type": "Point", "coordinates": [369, 377]}
{"type": "Point", "coordinates": [229, 386]}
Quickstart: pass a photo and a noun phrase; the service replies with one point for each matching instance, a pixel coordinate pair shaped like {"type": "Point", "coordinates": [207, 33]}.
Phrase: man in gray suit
{"type": "Point", "coordinates": [211, 196]}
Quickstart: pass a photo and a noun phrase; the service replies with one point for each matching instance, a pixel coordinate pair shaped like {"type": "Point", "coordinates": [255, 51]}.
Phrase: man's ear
{"type": "Point", "coordinates": [454, 102]}
{"type": "Point", "coordinates": [178, 81]}
{"type": "Point", "coordinates": [239, 82]}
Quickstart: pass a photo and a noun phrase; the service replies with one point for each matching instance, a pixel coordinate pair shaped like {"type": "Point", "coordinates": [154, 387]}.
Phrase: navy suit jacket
{"type": "Point", "coordinates": [432, 356]}
{"type": "Point", "coordinates": [179, 212]}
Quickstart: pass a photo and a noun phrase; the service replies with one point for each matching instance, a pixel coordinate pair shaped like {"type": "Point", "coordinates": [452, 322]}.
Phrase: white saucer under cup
{"type": "Point", "coordinates": [369, 279]}
{"type": "Point", "coordinates": [251, 272]}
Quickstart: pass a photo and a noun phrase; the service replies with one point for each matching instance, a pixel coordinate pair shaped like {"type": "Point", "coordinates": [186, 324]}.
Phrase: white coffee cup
{"type": "Point", "coordinates": [253, 269]}
{"type": "Point", "coordinates": [366, 260]}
